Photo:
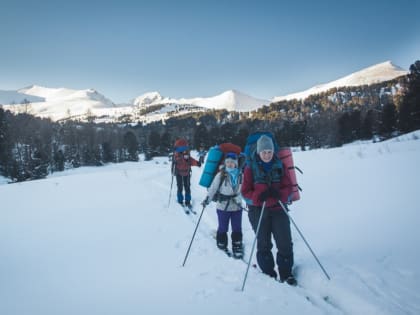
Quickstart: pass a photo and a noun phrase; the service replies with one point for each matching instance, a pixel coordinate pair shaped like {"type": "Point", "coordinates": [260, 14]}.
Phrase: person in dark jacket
{"type": "Point", "coordinates": [181, 168]}
{"type": "Point", "coordinates": [262, 184]}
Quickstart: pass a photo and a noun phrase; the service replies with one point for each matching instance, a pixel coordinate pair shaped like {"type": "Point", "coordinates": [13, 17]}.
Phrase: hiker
{"type": "Point", "coordinates": [261, 184]}
{"type": "Point", "coordinates": [225, 190]}
{"type": "Point", "coordinates": [181, 168]}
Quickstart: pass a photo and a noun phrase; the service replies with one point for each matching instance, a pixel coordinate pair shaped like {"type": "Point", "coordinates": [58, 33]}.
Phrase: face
{"type": "Point", "coordinates": [230, 164]}
{"type": "Point", "coordinates": [266, 155]}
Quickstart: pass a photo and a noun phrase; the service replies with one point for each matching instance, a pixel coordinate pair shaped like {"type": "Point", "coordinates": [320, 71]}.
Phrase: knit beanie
{"type": "Point", "coordinates": [264, 143]}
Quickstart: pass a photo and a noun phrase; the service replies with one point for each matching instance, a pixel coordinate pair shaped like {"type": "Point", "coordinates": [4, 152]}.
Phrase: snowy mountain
{"type": "Point", "coordinates": [63, 103]}
{"type": "Point", "coordinates": [375, 74]}
{"type": "Point", "coordinates": [231, 100]}
{"type": "Point", "coordinates": [15, 97]}
{"type": "Point", "coordinates": [59, 103]}
{"type": "Point", "coordinates": [96, 240]}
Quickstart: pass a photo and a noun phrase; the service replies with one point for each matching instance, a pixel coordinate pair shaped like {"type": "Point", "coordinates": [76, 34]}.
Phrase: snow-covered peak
{"type": "Point", "coordinates": [230, 100]}
{"type": "Point", "coordinates": [381, 72]}
{"type": "Point", "coordinates": [147, 99]}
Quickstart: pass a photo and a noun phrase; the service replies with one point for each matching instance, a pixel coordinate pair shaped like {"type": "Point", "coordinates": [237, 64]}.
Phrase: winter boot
{"type": "Point", "coordinates": [266, 263]}
{"type": "Point", "coordinates": [221, 241]}
{"type": "Point", "coordinates": [237, 246]}
{"type": "Point", "coordinates": [290, 280]}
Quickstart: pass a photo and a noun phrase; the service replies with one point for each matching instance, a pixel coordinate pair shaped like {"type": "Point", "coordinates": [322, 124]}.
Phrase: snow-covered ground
{"type": "Point", "coordinates": [104, 241]}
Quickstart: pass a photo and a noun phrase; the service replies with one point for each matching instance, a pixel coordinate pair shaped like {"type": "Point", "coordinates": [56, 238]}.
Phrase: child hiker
{"type": "Point", "coordinates": [225, 190]}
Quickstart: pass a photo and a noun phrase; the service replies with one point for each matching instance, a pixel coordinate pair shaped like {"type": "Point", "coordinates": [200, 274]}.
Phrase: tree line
{"type": "Point", "coordinates": [32, 148]}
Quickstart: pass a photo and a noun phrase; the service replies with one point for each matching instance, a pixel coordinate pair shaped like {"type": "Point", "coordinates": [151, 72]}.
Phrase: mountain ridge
{"type": "Point", "coordinates": [62, 103]}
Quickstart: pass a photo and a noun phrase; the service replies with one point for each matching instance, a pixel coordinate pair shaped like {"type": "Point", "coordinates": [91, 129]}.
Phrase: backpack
{"type": "Point", "coordinates": [180, 146]}
{"type": "Point", "coordinates": [284, 154]}
{"type": "Point", "coordinates": [215, 158]}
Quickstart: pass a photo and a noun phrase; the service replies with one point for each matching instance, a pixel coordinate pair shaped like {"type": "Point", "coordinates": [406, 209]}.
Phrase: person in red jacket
{"type": "Point", "coordinates": [262, 184]}
{"type": "Point", "coordinates": [181, 168]}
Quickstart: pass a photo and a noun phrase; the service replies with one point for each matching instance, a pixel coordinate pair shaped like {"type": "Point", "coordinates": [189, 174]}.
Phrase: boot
{"type": "Point", "coordinates": [221, 241]}
{"type": "Point", "coordinates": [237, 246]}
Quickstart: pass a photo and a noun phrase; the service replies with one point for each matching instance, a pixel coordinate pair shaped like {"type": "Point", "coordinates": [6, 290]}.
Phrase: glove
{"type": "Point", "coordinates": [199, 164]}
{"type": "Point", "coordinates": [206, 202]}
{"type": "Point", "coordinates": [270, 192]}
{"type": "Point", "coordinates": [274, 193]}
{"type": "Point", "coordinates": [264, 195]}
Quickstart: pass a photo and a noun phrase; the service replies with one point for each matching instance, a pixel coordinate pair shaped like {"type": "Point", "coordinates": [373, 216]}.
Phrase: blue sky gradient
{"type": "Point", "coordinates": [200, 48]}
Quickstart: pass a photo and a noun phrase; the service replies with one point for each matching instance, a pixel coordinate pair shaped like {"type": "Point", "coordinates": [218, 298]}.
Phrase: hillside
{"type": "Point", "coordinates": [104, 241]}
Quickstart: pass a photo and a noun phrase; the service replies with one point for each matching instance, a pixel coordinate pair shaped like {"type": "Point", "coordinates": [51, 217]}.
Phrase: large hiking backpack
{"type": "Point", "coordinates": [284, 154]}
{"type": "Point", "coordinates": [180, 146]}
{"type": "Point", "coordinates": [215, 157]}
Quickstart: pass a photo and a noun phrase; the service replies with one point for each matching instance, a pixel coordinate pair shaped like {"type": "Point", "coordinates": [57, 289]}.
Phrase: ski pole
{"type": "Point", "coordinates": [307, 244]}
{"type": "Point", "coordinates": [196, 227]}
{"type": "Point", "coordinates": [253, 245]}
{"type": "Point", "coordinates": [170, 191]}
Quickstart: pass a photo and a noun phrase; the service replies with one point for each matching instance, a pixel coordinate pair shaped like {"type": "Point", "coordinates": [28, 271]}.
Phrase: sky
{"type": "Point", "coordinates": [200, 48]}
{"type": "Point", "coordinates": [93, 241]}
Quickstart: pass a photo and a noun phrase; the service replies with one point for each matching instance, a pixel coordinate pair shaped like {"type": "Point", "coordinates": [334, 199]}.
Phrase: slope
{"type": "Point", "coordinates": [104, 241]}
{"type": "Point", "coordinates": [381, 72]}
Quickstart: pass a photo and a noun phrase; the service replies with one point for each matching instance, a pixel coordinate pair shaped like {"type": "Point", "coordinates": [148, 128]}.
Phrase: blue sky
{"type": "Point", "coordinates": [200, 48]}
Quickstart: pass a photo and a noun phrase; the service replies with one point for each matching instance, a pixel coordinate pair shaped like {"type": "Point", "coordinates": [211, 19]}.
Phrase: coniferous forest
{"type": "Point", "coordinates": [32, 148]}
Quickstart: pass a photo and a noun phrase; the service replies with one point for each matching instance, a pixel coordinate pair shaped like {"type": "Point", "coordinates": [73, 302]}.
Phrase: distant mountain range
{"type": "Point", "coordinates": [375, 74]}
{"type": "Point", "coordinates": [63, 103]}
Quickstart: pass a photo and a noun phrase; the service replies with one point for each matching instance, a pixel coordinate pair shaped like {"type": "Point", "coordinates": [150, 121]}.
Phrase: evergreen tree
{"type": "Point", "coordinates": [389, 120]}
{"type": "Point", "coordinates": [131, 146]}
{"type": "Point", "coordinates": [367, 126]}
{"type": "Point", "coordinates": [201, 137]}
{"type": "Point", "coordinates": [107, 152]}
{"type": "Point", "coordinates": [154, 140]}
{"type": "Point", "coordinates": [5, 145]}
{"type": "Point", "coordinates": [409, 112]}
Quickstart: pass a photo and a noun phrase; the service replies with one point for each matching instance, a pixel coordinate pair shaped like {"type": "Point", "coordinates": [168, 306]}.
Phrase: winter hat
{"type": "Point", "coordinates": [264, 143]}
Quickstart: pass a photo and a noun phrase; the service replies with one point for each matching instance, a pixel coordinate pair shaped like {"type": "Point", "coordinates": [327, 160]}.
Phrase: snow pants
{"type": "Point", "coordinates": [274, 223]}
{"type": "Point", "coordinates": [183, 183]}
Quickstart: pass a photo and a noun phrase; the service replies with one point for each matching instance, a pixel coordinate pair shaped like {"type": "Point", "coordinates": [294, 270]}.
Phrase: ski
{"type": "Point", "coordinates": [185, 208]}
{"type": "Point", "coordinates": [190, 209]}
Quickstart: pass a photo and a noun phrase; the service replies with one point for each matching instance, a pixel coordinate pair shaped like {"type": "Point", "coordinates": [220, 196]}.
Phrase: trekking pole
{"type": "Point", "coordinates": [307, 244]}
{"type": "Point", "coordinates": [170, 191]}
{"type": "Point", "coordinates": [253, 245]}
{"type": "Point", "coordinates": [196, 227]}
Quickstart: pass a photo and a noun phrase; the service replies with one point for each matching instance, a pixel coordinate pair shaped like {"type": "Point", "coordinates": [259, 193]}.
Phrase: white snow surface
{"type": "Point", "coordinates": [15, 97]}
{"type": "Point", "coordinates": [381, 72]}
{"type": "Point", "coordinates": [106, 241]}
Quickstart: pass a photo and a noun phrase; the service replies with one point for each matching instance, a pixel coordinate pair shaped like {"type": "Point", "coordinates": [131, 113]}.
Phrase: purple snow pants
{"type": "Point", "coordinates": [235, 218]}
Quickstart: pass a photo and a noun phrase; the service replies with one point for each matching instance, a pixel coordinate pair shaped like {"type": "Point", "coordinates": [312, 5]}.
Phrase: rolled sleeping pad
{"type": "Point", "coordinates": [211, 166]}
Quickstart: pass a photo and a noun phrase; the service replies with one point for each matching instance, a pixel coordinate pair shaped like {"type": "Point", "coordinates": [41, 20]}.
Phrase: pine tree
{"type": "Point", "coordinates": [409, 113]}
